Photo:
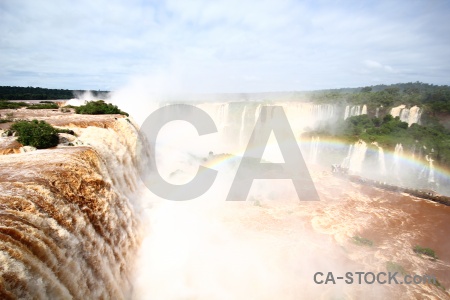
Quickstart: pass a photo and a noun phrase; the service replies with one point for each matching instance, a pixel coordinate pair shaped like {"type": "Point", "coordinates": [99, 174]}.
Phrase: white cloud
{"type": "Point", "coordinates": [215, 46]}
{"type": "Point", "coordinates": [374, 65]}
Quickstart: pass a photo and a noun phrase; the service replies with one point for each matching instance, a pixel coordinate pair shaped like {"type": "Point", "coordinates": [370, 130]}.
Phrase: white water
{"type": "Point", "coordinates": [314, 149]}
{"type": "Point", "coordinates": [357, 157]}
{"type": "Point", "coordinates": [398, 153]}
{"type": "Point", "coordinates": [409, 115]}
{"type": "Point", "coordinates": [430, 169]}
{"type": "Point", "coordinates": [79, 233]}
{"type": "Point", "coordinates": [354, 110]}
{"type": "Point", "coordinates": [364, 110]}
{"type": "Point", "coordinates": [381, 159]}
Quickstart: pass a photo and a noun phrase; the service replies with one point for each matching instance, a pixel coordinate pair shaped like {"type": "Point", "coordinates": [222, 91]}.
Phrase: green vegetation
{"type": "Point", "coordinates": [38, 134]}
{"type": "Point", "coordinates": [425, 251]}
{"type": "Point", "coordinates": [44, 106]}
{"type": "Point", "coordinates": [11, 105]}
{"type": "Point", "coordinates": [5, 121]}
{"type": "Point", "coordinates": [389, 131]}
{"type": "Point", "coordinates": [434, 99]}
{"type": "Point", "coordinates": [99, 107]}
{"type": "Point", "coordinates": [37, 93]}
{"type": "Point", "coordinates": [362, 241]}
{"type": "Point", "coordinates": [394, 267]}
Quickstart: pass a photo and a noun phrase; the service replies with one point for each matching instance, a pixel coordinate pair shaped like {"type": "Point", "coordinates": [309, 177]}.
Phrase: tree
{"type": "Point", "coordinates": [99, 107]}
{"type": "Point", "coordinates": [36, 133]}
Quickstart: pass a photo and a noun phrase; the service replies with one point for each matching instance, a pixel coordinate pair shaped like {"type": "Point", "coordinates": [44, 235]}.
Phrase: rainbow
{"type": "Point", "coordinates": [406, 159]}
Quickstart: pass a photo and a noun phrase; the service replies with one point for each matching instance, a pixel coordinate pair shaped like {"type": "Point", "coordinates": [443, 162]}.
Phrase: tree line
{"type": "Point", "coordinates": [37, 93]}
{"type": "Point", "coordinates": [433, 98]}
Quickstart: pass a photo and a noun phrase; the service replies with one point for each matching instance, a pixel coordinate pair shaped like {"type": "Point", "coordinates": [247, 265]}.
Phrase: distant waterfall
{"type": "Point", "coordinates": [414, 115]}
{"type": "Point", "coordinates": [364, 110]}
{"type": "Point", "coordinates": [409, 115]}
{"type": "Point", "coordinates": [314, 149]}
{"type": "Point", "coordinates": [398, 152]}
{"type": "Point", "coordinates": [381, 161]}
{"type": "Point", "coordinates": [346, 162]}
{"type": "Point", "coordinates": [355, 157]}
{"type": "Point", "coordinates": [355, 110]}
{"type": "Point", "coordinates": [430, 169]}
{"type": "Point", "coordinates": [347, 112]}
{"type": "Point", "coordinates": [377, 112]}
{"type": "Point", "coordinates": [241, 133]}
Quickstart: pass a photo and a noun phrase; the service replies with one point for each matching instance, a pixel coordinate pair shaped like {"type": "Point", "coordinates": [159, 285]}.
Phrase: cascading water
{"type": "Point", "coordinates": [364, 110]}
{"type": "Point", "coordinates": [381, 160]}
{"type": "Point", "coordinates": [409, 116]}
{"type": "Point", "coordinates": [347, 112]}
{"type": "Point", "coordinates": [357, 157]}
{"type": "Point", "coordinates": [68, 226]}
{"type": "Point", "coordinates": [355, 110]}
{"type": "Point", "coordinates": [430, 169]}
{"type": "Point", "coordinates": [398, 153]}
{"type": "Point", "coordinates": [241, 133]}
{"type": "Point", "coordinates": [414, 115]}
{"type": "Point", "coordinates": [314, 149]}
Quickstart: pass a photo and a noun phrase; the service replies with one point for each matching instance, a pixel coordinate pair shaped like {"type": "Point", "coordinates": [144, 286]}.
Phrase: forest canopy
{"type": "Point", "coordinates": [37, 93]}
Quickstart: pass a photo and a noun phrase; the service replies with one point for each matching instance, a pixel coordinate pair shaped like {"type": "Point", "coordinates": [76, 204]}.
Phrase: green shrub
{"type": "Point", "coordinates": [44, 106]}
{"type": "Point", "coordinates": [12, 105]}
{"type": "Point", "coordinates": [362, 241]}
{"type": "Point", "coordinates": [425, 251]}
{"type": "Point", "coordinates": [36, 133]}
{"type": "Point", "coordinates": [5, 121]}
{"type": "Point", "coordinates": [99, 107]}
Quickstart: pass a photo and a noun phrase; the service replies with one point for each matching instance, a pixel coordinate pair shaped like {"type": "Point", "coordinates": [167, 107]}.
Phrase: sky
{"type": "Point", "coordinates": [202, 46]}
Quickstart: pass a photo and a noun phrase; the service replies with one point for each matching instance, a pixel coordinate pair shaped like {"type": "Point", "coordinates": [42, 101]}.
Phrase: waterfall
{"type": "Point", "coordinates": [404, 115]}
{"type": "Point", "coordinates": [377, 112]}
{"type": "Point", "coordinates": [346, 162]}
{"type": "Point", "coordinates": [355, 157]}
{"type": "Point", "coordinates": [381, 160]}
{"type": "Point", "coordinates": [409, 116]}
{"type": "Point", "coordinates": [314, 149]}
{"type": "Point", "coordinates": [414, 115]}
{"type": "Point", "coordinates": [68, 225]}
{"type": "Point", "coordinates": [355, 110]}
{"type": "Point", "coordinates": [398, 152]}
{"type": "Point", "coordinates": [364, 110]}
{"type": "Point", "coordinates": [395, 111]}
{"type": "Point", "coordinates": [241, 131]}
{"type": "Point", "coordinates": [430, 169]}
{"type": "Point", "coordinates": [347, 112]}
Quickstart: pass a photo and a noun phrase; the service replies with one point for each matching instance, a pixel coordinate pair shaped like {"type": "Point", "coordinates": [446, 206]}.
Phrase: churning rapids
{"type": "Point", "coordinates": [78, 223]}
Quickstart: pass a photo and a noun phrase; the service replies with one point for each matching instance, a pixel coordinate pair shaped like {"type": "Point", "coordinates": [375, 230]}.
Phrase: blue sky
{"type": "Point", "coordinates": [223, 45]}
